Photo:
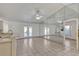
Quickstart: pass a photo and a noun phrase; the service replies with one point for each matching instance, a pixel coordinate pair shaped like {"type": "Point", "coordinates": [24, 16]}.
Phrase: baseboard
{"type": "Point", "coordinates": [30, 37]}
{"type": "Point", "coordinates": [42, 36]}
{"type": "Point", "coordinates": [70, 38]}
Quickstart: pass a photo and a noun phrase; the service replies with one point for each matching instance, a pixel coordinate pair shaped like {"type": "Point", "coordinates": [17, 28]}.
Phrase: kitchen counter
{"type": "Point", "coordinates": [5, 40]}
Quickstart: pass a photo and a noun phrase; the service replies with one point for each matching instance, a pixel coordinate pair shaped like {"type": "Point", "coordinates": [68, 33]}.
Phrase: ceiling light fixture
{"type": "Point", "coordinates": [38, 15]}
{"type": "Point", "coordinates": [59, 21]}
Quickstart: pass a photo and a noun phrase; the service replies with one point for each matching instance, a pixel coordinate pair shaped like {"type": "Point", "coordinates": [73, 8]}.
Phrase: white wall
{"type": "Point", "coordinates": [18, 28]}
{"type": "Point", "coordinates": [41, 29]}
{"type": "Point", "coordinates": [35, 29]}
{"type": "Point", "coordinates": [51, 29]}
{"type": "Point", "coordinates": [1, 25]}
{"type": "Point", "coordinates": [38, 29]}
{"type": "Point", "coordinates": [5, 26]}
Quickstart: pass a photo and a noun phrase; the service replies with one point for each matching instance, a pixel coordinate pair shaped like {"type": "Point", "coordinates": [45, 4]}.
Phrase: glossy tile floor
{"type": "Point", "coordinates": [44, 47]}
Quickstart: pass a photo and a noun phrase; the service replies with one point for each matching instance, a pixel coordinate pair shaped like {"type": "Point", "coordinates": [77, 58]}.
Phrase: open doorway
{"type": "Point", "coordinates": [71, 33]}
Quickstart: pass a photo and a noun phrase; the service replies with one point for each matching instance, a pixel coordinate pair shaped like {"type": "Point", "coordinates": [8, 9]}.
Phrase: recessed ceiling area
{"type": "Point", "coordinates": [25, 11]}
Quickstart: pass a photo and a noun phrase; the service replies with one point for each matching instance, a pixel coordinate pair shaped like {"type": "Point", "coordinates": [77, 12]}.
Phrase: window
{"type": "Point", "coordinates": [30, 31]}
{"type": "Point", "coordinates": [67, 30]}
{"type": "Point", "coordinates": [46, 31]}
{"type": "Point", "coordinates": [27, 31]}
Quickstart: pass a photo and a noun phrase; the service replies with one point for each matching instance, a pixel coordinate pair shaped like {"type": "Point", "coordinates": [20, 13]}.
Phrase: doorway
{"type": "Point", "coordinates": [71, 33]}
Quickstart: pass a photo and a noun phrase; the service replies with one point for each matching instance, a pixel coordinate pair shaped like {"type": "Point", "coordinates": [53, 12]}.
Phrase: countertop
{"type": "Point", "coordinates": [5, 40]}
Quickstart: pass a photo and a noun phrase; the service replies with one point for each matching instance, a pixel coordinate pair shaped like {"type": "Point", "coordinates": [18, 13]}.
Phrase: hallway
{"type": "Point", "coordinates": [44, 47]}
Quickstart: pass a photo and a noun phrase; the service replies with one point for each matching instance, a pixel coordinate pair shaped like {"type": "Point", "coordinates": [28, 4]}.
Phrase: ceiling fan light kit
{"type": "Point", "coordinates": [38, 15]}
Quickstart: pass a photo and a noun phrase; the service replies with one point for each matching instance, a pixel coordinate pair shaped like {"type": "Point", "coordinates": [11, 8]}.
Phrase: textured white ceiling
{"type": "Point", "coordinates": [25, 11]}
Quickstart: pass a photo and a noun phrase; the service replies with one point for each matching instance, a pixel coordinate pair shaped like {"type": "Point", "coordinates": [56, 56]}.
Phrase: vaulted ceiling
{"type": "Point", "coordinates": [25, 11]}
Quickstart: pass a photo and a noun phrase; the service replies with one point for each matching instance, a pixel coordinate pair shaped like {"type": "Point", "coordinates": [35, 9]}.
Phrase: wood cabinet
{"type": "Point", "coordinates": [7, 47]}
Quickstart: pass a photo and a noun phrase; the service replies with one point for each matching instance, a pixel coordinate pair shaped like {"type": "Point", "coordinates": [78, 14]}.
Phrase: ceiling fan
{"type": "Point", "coordinates": [38, 14]}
